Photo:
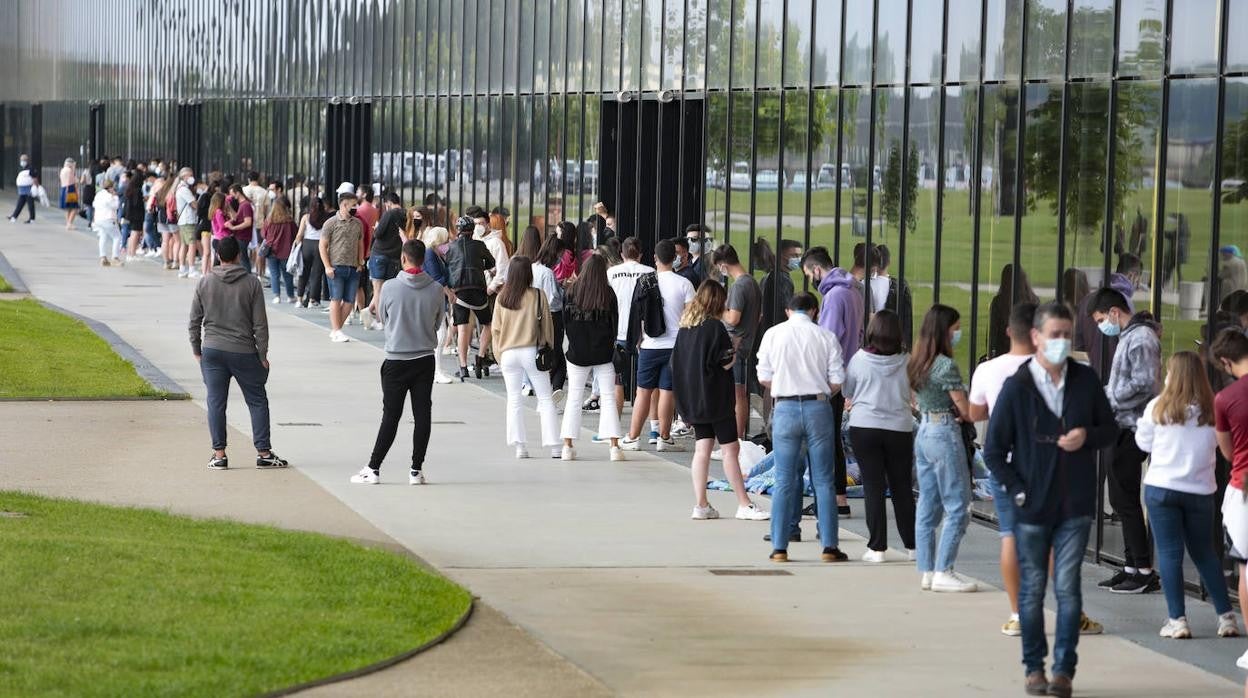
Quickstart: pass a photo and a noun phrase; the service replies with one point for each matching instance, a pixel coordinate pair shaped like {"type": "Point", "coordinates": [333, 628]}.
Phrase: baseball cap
{"type": "Point", "coordinates": [345, 188]}
{"type": "Point", "coordinates": [1230, 249]}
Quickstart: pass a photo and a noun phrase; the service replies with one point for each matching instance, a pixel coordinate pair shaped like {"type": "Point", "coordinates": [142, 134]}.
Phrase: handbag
{"type": "Point", "coordinates": [545, 355]}
{"type": "Point", "coordinates": [264, 250]}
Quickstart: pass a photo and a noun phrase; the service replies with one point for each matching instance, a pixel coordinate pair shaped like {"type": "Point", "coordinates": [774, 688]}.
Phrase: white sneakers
{"type": "Point", "coordinates": [521, 452]}
{"type": "Point", "coordinates": [926, 582]}
{"type": "Point", "coordinates": [558, 397]}
{"type": "Point", "coordinates": [704, 513]}
{"type": "Point", "coordinates": [1227, 625]}
{"type": "Point", "coordinates": [1242, 662]}
{"type": "Point", "coordinates": [630, 444]}
{"type": "Point", "coordinates": [1176, 629]}
{"type": "Point", "coordinates": [277, 300]}
{"type": "Point", "coordinates": [415, 477]}
{"type": "Point", "coordinates": [617, 454]}
{"type": "Point", "coordinates": [950, 583]}
{"type": "Point", "coordinates": [669, 445]}
{"type": "Point", "coordinates": [442, 379]}
{"type": "Point", "coordinates": [752, 513]}
{"type": "Point", "coordinates": [717, 454]}
{"type": "Point", "coordinates": [875, 556]}
{"type": "Point", "coordinates": [338, 336]}
{"type": "Point", "coordinates": [366, 476]}
{"type": "Point", "coordinates": [567, 453]}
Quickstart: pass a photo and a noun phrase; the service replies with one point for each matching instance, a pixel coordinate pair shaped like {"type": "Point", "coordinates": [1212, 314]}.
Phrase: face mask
{"type": "Point", "coordinates": [957, 337]}
{"type": "Point", "coordinates": [478, 230]}
{"type": "Point", "coordinates": [678, 264]}
{"type": "Point", "coordinates": [352, 211]}
{"type": "Point", "coordinates": [272, 195]}
{"type": "Point", "coordinates": [1109, 328]}
{"type": "Point", "coordinates": [190, 181]}
{"type": "Point", "coordinates": [24, 163]}
{"type": "Point", "coordinates": [795, 264]}
{"type": "Point", "coordinates": [723, 271]}
{"type": "Point", "coordinates": [1056, 351]}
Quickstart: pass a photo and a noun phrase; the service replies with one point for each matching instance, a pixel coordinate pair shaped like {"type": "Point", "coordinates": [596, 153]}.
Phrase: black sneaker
{"type": "Point", "coordinates": [218, 462]}
{"type": "Point", "coordinates": [1137, 584]}
{"type": "Point", "coordinates": [1118, 578]}
{"type": "Point", "coordinates": [843, 511]}
{"type": "Point", "coordinates": [793, 537]}
{"type": "Point", "coordinates": [834, 555]}
{"type": "Point", "coordinates": [809, 510]}
{"type": "Point", "coordinates": [591, 405]}
{"type": "Point", "coordinates": [270, 461]}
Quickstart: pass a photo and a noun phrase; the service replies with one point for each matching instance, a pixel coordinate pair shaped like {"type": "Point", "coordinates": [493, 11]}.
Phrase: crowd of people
{"type": "Point", "coordinates": [699, 345]}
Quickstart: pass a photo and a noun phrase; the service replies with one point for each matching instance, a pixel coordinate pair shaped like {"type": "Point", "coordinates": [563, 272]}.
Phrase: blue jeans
{"type": "Point", "coordinates": [1067, 539]}
{"type": "Point", "coordinates": [793, 423]}
{"type": "Point", "coordinates": [151, 238]}
{"type": "Point", "coordinates": [277, 271]}
{"type": "Point", "coordinates": [218, 368]}
{"type": "Point", "coordinates": [798, 491]}
{"type": "Point", "coordinates": [1178, 519]}
{"type": "Point", "coordinates": [944, 492]}
{"type": "Point", "coordinates": [344, 284]}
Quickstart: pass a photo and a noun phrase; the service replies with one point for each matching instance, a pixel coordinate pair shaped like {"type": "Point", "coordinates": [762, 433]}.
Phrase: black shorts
{"type": "Point", "coordinates": [461, 315]}
{"type": "Point", "coordinates": [724, 431]}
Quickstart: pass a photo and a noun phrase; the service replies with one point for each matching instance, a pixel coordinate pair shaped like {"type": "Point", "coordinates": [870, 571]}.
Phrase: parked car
{"type": "Point", "coordinates": [714, 178]}
{"type": "Point", "coordinates": [799, 181]}
{"type": "Point", "coordinates": [589, 177]}
{"type": "Point", "coordinates": [740, 179]}
{"type": "Point", "coordinates": [768, 180]}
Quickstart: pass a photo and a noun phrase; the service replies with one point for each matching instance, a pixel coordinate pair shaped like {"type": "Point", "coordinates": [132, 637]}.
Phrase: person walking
{"type": "Point", "coordinates": [1048, 423]}
{"type": "Point", "coordinates": [383, 259]}
{"type": "Point", "coordinates": [881, 431]}
{"type": "Point", "coordinates": [311, 286]}
{"type": "Point", "coordinates": [411, 308]}
{"type": "Point", "coordinates": [229, 333]}
{"type": "Point", "coordinates": [800, 363]}
{"type": "Point", "coordinates": [702, 365]}
{"type": "Point", "coordinates": [279, 234]}
{"type": "Point", "coordinates": [467, 261]}
{"type": "Point", "coordinates": [106, 205]}
{"type": "Point", "coordinates": [342, 253]}
{"type": "Point", "coordinates": [591, 317]}
{"type": "Point", "coordinates": [26, 182]}
{"type": "Point", "coordinates": [1177, 428]}
{"type": "Point", "coordinates": [523, 327]}
{"type": "Point", "coordinates": [742, 316]}
{"type": "Point", "coordinates": [939, 456]}
{"type": "Point", "coordinates": [69, 192]}
{"type": "Point", "coordinates": [1230, 407]}
{"type": "Point", "coordinates": [1134, 379]}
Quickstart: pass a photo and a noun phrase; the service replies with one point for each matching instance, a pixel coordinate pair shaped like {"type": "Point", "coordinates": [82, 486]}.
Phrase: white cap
{"type": "Point", "coordinates": [346, 188]}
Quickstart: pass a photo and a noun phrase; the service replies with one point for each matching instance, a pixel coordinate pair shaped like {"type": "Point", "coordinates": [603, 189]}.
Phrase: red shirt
{"type": "Point", "coordinates": [1230, 408]}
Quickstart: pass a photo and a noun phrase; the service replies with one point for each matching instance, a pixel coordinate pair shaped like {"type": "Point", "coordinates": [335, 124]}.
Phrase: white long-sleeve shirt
{"type": "Point", "coordinates": [798, 357]}
{"type": "Point", "coordinates": [1183, 454]}
{"type": "Point", "coordinates": [498, 250]}
{"type": "Point", "coordinates": [105, 204]}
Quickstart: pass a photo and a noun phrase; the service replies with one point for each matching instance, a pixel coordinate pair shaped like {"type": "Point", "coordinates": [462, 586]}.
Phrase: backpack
{"type": "Point", "coordinates": [646, 310]}
{"type": "Point", "coordinates": [171, 209]}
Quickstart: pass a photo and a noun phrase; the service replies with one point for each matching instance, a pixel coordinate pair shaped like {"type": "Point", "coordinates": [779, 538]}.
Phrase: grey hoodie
{"type": "Point", "coordinates": [880, 391]}
{"type": "Point", "coordinates": [228, 313]}
{"type": "Point", "coordinates": [1135, 374]}
{"type": "Point", "coordinates": [411, 306]}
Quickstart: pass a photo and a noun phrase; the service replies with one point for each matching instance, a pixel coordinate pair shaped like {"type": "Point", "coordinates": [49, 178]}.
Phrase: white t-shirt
{"type": "Point", "coordinates": [677, 291]}
{"type": "Point", "coordinates": [990, 377]}
{"type": "Point", "coordinates": [879, 292]}
{"type": "Point", "coordinates": [623, 280]}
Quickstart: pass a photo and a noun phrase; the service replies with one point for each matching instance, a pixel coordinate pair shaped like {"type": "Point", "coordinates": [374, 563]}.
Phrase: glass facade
{"type": "Point", "coordinates": [1053, 136]}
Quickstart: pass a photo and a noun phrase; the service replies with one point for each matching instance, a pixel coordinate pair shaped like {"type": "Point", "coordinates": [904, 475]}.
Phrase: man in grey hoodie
{"type": "Point", "coordinates": [1134, 379]}
{"type": "Point", "coordinates": [411, 307]}
{"type": "Point", "coordinates": [229, 332]}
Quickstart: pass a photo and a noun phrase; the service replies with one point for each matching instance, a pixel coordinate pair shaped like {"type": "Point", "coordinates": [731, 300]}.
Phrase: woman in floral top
{"type": "Point", "coordinates": [939, 456]}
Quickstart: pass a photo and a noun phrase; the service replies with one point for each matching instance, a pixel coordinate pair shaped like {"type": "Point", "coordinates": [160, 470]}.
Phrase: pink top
{"type": "Point", "coordinates": [566, 267]}
{"type": "Point", "coordinates": [218, 225]}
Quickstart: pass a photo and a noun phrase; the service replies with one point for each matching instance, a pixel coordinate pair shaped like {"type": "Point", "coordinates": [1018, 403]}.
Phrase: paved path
{"type": "Point", "coordinates": [597, 560]}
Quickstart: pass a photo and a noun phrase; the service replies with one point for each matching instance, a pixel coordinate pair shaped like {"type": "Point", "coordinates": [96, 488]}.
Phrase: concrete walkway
{"type": "Point", "coordinates": [597, 560]}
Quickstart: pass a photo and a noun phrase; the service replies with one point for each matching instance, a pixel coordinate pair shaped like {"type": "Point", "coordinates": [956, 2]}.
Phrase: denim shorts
{"type": "Point", "coordinates": [654, 369]}
{"type": "Point", "coordinates": [344, 284]}
{"type": "Point", "coordinates": [1007, 513]}
{"type": "Point", "coordinates": [382, 268]}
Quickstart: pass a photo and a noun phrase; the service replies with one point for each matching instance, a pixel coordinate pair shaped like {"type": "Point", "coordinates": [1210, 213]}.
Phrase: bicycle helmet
{"type": "Point", "coordinates": [464, 224]}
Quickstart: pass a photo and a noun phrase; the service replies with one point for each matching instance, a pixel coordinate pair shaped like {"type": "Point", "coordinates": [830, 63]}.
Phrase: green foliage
{"type": "Point", "coordinates": [5, 286]}
{"type": "Point", "coordinates": [890, 195]}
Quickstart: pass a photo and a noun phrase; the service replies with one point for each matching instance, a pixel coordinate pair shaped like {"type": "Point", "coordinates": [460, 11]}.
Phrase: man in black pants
{"type": "Point", "coordinates": [411, 307]}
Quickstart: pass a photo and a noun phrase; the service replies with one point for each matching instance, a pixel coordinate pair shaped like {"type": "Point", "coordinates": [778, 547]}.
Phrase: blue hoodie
{"type": "Point", "coordinates": [842, 310]}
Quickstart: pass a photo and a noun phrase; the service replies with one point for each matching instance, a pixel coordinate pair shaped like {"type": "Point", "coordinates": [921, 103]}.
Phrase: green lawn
{"type": "Point", "coordinates": [107, 601]}
{"type": "Point", "coordinates": [5, 287]}
{"type": "Point", "coordinates": [47, 355]}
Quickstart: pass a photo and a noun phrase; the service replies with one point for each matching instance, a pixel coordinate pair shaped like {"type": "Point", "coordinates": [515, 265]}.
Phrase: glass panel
{"type": "Point", "coordinates": [769, 184]}
{"type": "Point", "coordinates": [695, 45]}
{"type": "Point", "coordinates": [558, 44]}
{"type": "Point", "coordinates": [743, 39]}
{"type": "Point", "coordinates": [825, 170]}
{"type": "Point", "coordinates": [1036, 281]}
{"type": "Point", "coordinates": [541, 47]}
{"type": "Point", "coordinates": [1194, 37]}
{"type": "Point", "coordinates": [1004, 24]}
{"type": "Point", "coordinates": [576, 44]}
{"type": "Point", "coordinates": [718, 167]}
{"type": "Point", "coordinates": [593, 45]}
{"type": "Point", "coordinates": [611, 47]}
{"type": "Point", "coordinates": [742, 174]}
{"type": "Point", "coordinates": [957, 219]}
{"type": "Point", "coordinates": [538, 170]}
{"type": "Point", "coordinates": [1141, 40]}
{"type": "Point", "coordinates": [1237, 26]}
{"type": "Point", "coordinates": [1046, 39]}
{"type": "Point", "coordinates": [890, 66]}
{"type": "Point", "coordinates": [1092, 39]}
{"type": "Point", "coordinates": [652, 48]}
{"type": "Point", "coordinates": [590, 152]}
{"type": "Point", "coordinates": [915, 261]}
{"type": "Point", "coordinates": [631, 27]}
{"type": "Point", "coordinates": [962, 59]}
{"type": "Point", "coordinates": [771, 16]}
{"type": "Point", "coordinates": [717, 43]}
{"type": "Point", "coordinates": [525, 64]}
{"type": "Point", "coordinates": [861, 176]}
{"type": "Point", "coordinates": [996, 231]}
{"type": "Point", "coordinates": [925, 43]}
{"type": "Point", "coordinates": [827, 43]}
{"type": "Point", "coordinates": [857, 55]}
{"type": "Point", "coordinates": [1234, 228]}
{"type": "Point", "coordinates": [797, 44]}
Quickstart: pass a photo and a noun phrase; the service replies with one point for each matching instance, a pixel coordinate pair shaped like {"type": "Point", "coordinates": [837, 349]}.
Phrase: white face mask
{"type": "Point", "coordinates": [272, 195]}
{"type": "Point", "coordinates": [190, 181]}
{"type": "Point", "coordinates": [479, 230]}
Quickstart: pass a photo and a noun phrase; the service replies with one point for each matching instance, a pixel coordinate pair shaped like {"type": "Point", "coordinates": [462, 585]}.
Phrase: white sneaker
{"type": "Point", "coordinates": [669, 445]}
{"type": "Point", "coordinates": [377, 325]}
{"type": "Point", "coordinates": [753, 513]}
{"type": "Point", "coordinates": [292, 300]}
{"type": "Point", "coordinates": [567, 453]}
{"type": "Point", "coordinates": [1176, 629]}
{"type": "Point", "coordinates": [704, 513]}
{"type": "Point", "coordinates": [1228, 626]}
{"type": "Point", "coordinates": [911, 555]}
{"type": "Point", "coordinates": [415, 477]}
{"type": "Point", "coordinates": [366, 476]}
{"type": "Point", "coordinates": [277, 300]}
{"type": "Point", "coordinates": [876, 556]}
{"type": "Point", "coordinates": [950, 582]}
{"type": "Point", "coordinates": [630, 444]}
{"type": "Point", "coordinates": [526, 390]}
{"type": "Point", "coordinates": [717, 454]}
{"type": "Point", "coordinates": [449, 351]}
{"type": "Point", "coordinates": [521, 452]}
{"type": "Point", "coordinates": [183, 273]}
{"type": "Point", "coordinates": [443, 379]}
{"type": "Point", "coordinates": [926, 582]}
{"type": "Point", "coordinates": [196, 275]}
{"type": "Point", "coordinates": [339, 337]}
{"type": "Point", "coordinates": [559, 396]}
{"type": "Point", "coordinates": [1242, 662]}
{"type": "Point", "coordinates": [556, 452]}
{"type": "Point", "coordinates": [617, 454]}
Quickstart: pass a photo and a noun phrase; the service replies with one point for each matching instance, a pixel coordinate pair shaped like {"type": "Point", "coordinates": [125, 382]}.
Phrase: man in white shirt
{"type": "Point", "coordinates": [800, 363]}
{"type": "Point", "coordinates": [654, 361]}
{"type": "Point", "coordinates": [258, 195]}
{"type": "Point", "coordinates": [623, 280]}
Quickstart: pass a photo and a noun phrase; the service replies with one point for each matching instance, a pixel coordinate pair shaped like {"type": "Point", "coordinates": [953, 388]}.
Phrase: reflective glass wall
{"type": "Point", "coordinates": [1000, 149]}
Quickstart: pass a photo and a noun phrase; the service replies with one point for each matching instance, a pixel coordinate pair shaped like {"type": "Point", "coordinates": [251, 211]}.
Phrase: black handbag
{"type": "Point", "coordinates": [545, 355]}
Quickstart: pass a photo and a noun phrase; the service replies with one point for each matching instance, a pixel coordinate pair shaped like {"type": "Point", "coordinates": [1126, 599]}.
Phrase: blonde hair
{"type": "Point", "coordinates": [435, 236]}
{"type": "Point", "coordinates": [707, 304]}
{"type": "Point", "coordinates": [1187, 386]}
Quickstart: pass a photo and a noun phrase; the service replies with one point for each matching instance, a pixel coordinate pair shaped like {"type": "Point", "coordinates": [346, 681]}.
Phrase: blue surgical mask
{"type": "Point", "coordinates": [678, 264]}
{"type": "Point", "coordinates": [795, 264]}
{"type": "Point", "coordinates": [1056, 351]}
{"type": "Point", "coordinates": [957, 337]}
{"type": "Point", "coordinates": [1109, 328]}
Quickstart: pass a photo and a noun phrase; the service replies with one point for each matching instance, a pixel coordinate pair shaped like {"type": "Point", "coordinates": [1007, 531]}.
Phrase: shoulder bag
{"type": "Point", "coordinates": [545, 355]}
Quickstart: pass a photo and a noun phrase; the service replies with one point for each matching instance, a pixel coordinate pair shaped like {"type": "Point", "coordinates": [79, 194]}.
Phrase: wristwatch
{"type": "Point", "coordinates": [1020, 499]}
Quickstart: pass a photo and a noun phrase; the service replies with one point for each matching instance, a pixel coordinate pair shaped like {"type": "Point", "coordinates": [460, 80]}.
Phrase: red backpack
{"type": "Point", "coordinates": [171, 208]}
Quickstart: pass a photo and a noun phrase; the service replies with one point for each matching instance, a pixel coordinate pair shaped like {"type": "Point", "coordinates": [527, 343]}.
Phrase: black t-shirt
{"type": "Point", "coordinates": [388, 237]}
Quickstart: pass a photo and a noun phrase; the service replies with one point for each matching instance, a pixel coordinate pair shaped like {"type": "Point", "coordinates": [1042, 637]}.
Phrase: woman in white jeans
{"type": "Point", "coordinates": [591, 319]}
{"type": "Point", "coordinates": [105, 223]}
{"type": "Point", "coordinates": [522, 323]}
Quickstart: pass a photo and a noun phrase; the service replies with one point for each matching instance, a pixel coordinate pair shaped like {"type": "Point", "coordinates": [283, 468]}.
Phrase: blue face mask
{"type": "Point", "coordinates": [1056, 351]}
{"type": "Point", "coordinates": [957, 337]}
{"type": "Point", "coordinates": [1109, 328]}
{"type": "Point", "coordinates": [795, 264]}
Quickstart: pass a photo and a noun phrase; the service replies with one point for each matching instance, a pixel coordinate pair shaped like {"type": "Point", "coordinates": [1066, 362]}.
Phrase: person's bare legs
{"type": "Point", "coordinates": [667, 412]}
{"type": "Point", "coordinates": [700, 469]}
{"type": "Point", "coordinates": [338, 314]}
{"type": "Point", "coordinates": [205, 241]}
{"type": "Point", "coordinates": [372, 309]}
{"type": "Point", "coordinates": [191, 250]}
{"type": "Point", "coordinates": [641, 410]}
{"type": "Point", "coordinates": [132, 245]}
{"type": "Point", "coordinates": [732, 471]}
{"type": "Point", "coordinates": [1009, 571]}
{"type": "Point", "coordinates": [69, 218]}
{"type": "Point", "coordinates": [743, 411]}
{"type": "Point", "coordinates": [1243, 590]}
{"type": "Point", "coordinates": [465, 336]}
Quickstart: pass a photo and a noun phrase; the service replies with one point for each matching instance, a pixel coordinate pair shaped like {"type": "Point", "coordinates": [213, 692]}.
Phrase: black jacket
{"type": "Point", "coordinates": [591, 334]}
{"type": "Point", "coordinates": [646, 312]}
{"type": "Point", "coordinates": [703, 387]}
{"type": "Point", "coordinates": [1059, 485]}
{"type": "Point", "coordinates": [466, 262]}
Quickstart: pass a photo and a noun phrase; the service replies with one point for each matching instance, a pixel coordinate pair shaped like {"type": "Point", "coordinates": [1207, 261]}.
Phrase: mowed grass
{"type": "Point", "coordinates": [47, 355]}
{"type": "Point", "coordinates": [107, 601]}
{"type": "Point", "coordinates": [5, 286]}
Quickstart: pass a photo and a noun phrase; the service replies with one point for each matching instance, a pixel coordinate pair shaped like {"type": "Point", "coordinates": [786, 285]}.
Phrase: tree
{"type": "Point", "coordinates": [891, 194]}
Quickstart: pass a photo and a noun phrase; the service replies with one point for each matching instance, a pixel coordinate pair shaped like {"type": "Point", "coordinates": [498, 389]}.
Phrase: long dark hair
{"type": "Point", "coordinates": [591, 290]}
{"type": "Point", "coordinates": [884, 333]}
{"type": "Point", "coordinates": [530, 242]}
{"type": "Point", "coordinates": [548, 254]}
{"type": "Point", "coordinates": [568, 236]}
{"type": "Point", "coordinates": [1025, 292]}
{"type": "Point", "coordinates": [933, 341]}
{"type": "Point", "coordinates": [519, 281]}
{"type": "Point", "coordinates": [319, 214]}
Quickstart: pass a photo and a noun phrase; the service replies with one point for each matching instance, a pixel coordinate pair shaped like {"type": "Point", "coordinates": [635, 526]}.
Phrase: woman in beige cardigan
{"type": "Point", "coordinates": [522, 323]}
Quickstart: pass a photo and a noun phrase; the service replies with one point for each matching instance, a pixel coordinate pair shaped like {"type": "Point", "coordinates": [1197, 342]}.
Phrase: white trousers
{"type": "Point", "coordinates": [604, 382]}
{"type": "Point", "coordinates": [517, 365]}
{"type": "Point", "coordinates": [110, 238]}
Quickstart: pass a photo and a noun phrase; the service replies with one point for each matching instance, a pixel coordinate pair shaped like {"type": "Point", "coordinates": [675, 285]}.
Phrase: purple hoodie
{"type": "Point", "coordinates": [842, 310]}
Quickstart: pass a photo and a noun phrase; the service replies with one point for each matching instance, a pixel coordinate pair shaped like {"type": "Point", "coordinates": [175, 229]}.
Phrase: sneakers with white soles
{"type": "Point", "coordinates": [926, 582]}
{"type": "Point", "coordinates": [556, 452]}
{"type": "Point", "coordinates": [415, 477]}
{"type": "Point", "coordinates": [1176, 629]}
{"type": "Point", "coordinates": [558, 397]}
{"type": "Point", "coordinates": [339, 337]}
{"type": "Point", "coordinates": [654, 437]}
{"type": "Point", "coordinates": [704, 513]}
{"type": "Point", "coordinates": [617, 454]}
{"type": "Point", "coordinates": [1228, 626]}
{"type": "Point", "coordinates": [366, 476]}
{"type": "Point", "coordinates": [442, 379]}
{"type": "Point", "coordinates": [950, 582]}
{"type": "Point", "coordinates": [910, 554]}
{"type": "Point", "coordinates": [521, 452]}
{"type": "Point", "coordinates": [630, 444]}
{"type": "Point", "coordinates": [567, 453]}
{"type": "Point", "coordinates": [669, 445]}
{"type": "Point", "coordinates": [753, 513]}
{"type": "Point", "coordinates": [873, 556]}
{"type": "Point", "coordinates": [1242, 662]}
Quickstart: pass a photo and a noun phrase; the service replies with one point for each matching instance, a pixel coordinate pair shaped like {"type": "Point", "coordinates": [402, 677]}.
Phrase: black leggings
{"type": "Point", "coordinates": [24, 200]}
{"type": "Point", "coordinates": [398, 380]}
{"type": "Point", "coordinates": [312, 278]}
{"type": "Point", "coordinates": [886, 457]}
{"type": "Point", "coordinates": [838, 465]}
